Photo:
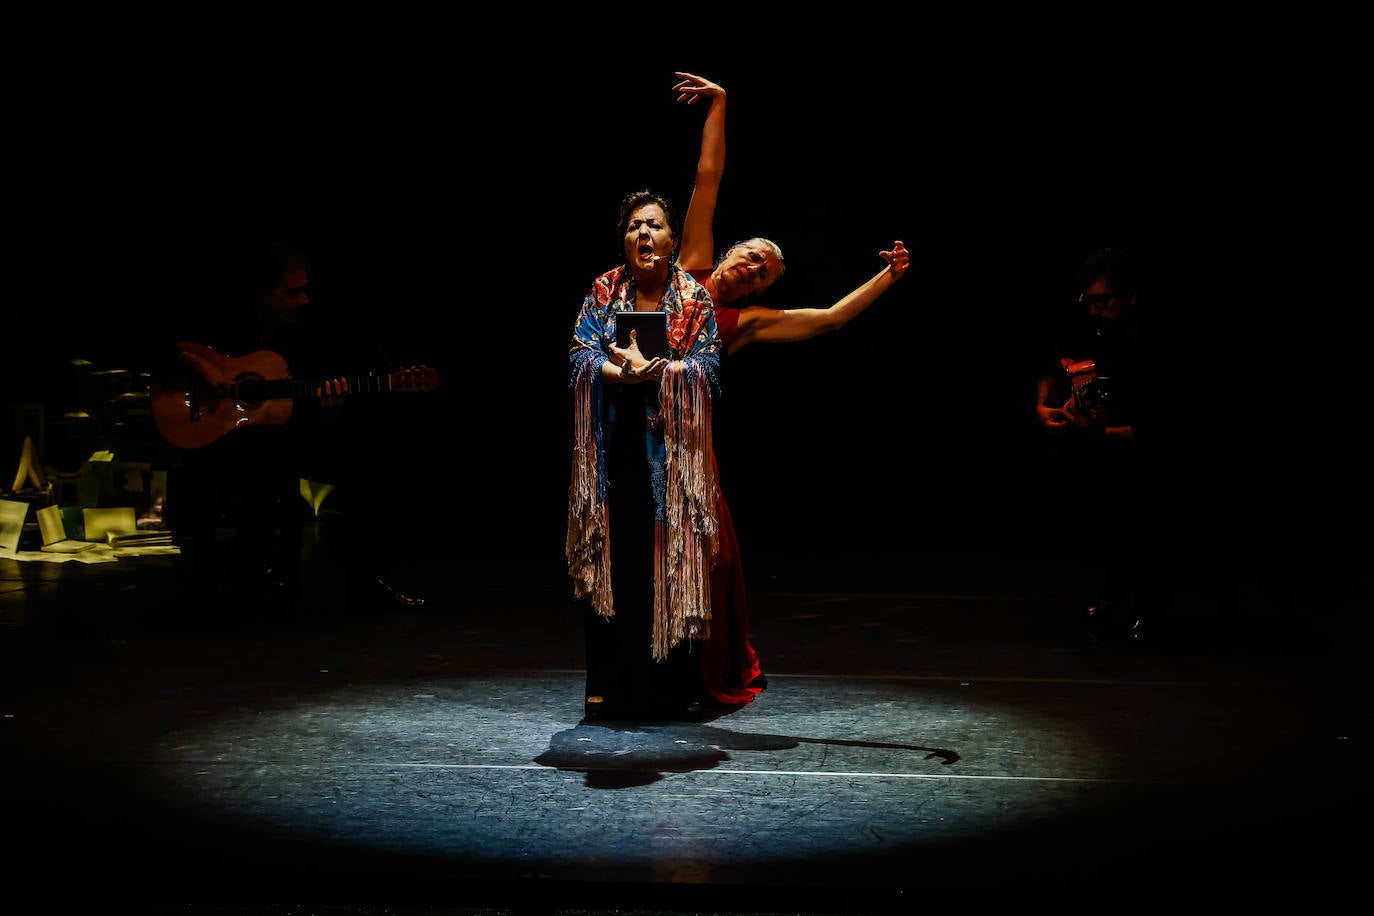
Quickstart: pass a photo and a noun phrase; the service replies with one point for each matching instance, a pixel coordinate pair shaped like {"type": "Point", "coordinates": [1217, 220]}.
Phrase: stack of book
{"type": "Point", "coordinates": [118, 528]}
{"type": "Point", "coordinates": [148, 538]}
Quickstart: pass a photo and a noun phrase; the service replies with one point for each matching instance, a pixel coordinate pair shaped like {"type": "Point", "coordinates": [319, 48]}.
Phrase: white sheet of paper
{"type": "Point", "coordinates": [12, 515]}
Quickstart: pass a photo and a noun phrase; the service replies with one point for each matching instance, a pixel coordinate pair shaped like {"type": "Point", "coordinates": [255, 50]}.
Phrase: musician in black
{"type": "Point", "coordinates": [1094, 402]}
{"type": "Point", "coordinates": [236, 494]}
{"type": "Point", "coordinates": [247, 457]}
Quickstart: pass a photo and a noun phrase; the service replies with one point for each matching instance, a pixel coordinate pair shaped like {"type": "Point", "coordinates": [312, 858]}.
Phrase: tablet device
{"type": "Point", "coordinates": [651, 332]}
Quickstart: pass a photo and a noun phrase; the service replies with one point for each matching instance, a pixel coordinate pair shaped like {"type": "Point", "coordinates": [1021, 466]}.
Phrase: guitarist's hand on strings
{"type": "Point", "coordinates": [207, 371]}
{"type": "Point", "coordinates": [1084, 421]}
{"type": "Point", "coordinates": [1070, 417]}
{"type": "Point", "coordinates": [1054, 418]}
{"type": "Point", "coordinates": [1095, 423]}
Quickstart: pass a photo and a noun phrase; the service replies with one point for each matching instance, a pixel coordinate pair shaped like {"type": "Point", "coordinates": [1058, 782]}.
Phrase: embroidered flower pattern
{"type": "Point", "coordinates": [691, 325]}
{"type": "Point", "coordinates": [604, 289]}
{"type": "Point", "coordinates": [687, 325]}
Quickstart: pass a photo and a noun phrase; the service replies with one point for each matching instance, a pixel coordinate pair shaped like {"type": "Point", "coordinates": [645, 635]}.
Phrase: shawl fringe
{"type": "Point", "coordinates": [686, 541]}
{"type": "Point", "coordinates": [690, 543]}
{"type": "Point", "coordinates": [588, 546]}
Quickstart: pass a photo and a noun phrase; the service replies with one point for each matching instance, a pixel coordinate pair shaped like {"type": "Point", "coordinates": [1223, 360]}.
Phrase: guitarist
{"type": "Point", "coordinates": [1093, 401]}
{"type": "Point", "coordinates": [248, 480]}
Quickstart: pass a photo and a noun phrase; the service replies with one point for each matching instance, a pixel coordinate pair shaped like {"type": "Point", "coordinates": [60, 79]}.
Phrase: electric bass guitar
{"type": "Point", "coordinates": [190, 414]}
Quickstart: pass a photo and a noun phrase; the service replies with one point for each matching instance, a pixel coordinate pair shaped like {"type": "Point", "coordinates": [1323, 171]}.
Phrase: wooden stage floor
{"type": "Point", "coordinates": [939, 729]}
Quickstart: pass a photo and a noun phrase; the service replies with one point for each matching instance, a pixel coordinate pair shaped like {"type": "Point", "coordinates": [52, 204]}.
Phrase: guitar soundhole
{"type": "Point", "coordinates": [248, 390]}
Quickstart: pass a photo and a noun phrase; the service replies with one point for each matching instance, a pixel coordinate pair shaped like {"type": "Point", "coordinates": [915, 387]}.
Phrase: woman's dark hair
{"type": "Point", "coordinates": [633, 201]}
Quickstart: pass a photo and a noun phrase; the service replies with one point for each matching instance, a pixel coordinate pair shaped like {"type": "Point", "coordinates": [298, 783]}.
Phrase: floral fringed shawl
{"type": "Point", "coordinates": [686, 536]}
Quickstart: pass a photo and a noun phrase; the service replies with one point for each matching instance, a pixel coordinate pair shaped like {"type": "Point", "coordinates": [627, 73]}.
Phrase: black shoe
{"type": "Point", "coordinates": [760, 682]}
{"type": "Point", "coordinates": [377, 593]}
{"type": "Point", "coordinates": [596, 709]}
{"type": "Point", "coordinates": [400, 598]}
{"type": "Point", "coordinates": [694, 711]}
{"type": "Point", "coordinates": [677, 710]}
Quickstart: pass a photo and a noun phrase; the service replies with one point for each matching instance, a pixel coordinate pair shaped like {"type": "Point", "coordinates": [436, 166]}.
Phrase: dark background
{"type": "Point", "coordinates": [462, 207]}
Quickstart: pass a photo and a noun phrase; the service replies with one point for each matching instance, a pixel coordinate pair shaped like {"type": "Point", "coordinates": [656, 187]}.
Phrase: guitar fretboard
{"type": "Point", "coordinates": [278, 389]}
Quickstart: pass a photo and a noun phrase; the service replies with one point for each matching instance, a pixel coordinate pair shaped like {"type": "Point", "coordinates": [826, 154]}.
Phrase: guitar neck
{"type": "Point", "coordinates": [190, 414]}
{"type": "Point", "coordinates": [290, 388]}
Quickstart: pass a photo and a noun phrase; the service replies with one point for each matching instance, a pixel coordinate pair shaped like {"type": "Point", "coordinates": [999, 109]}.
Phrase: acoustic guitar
{"type": "Point", "coordinates": [190, 414]}
{"type": "Point", "coordinates": [1090, 389]}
